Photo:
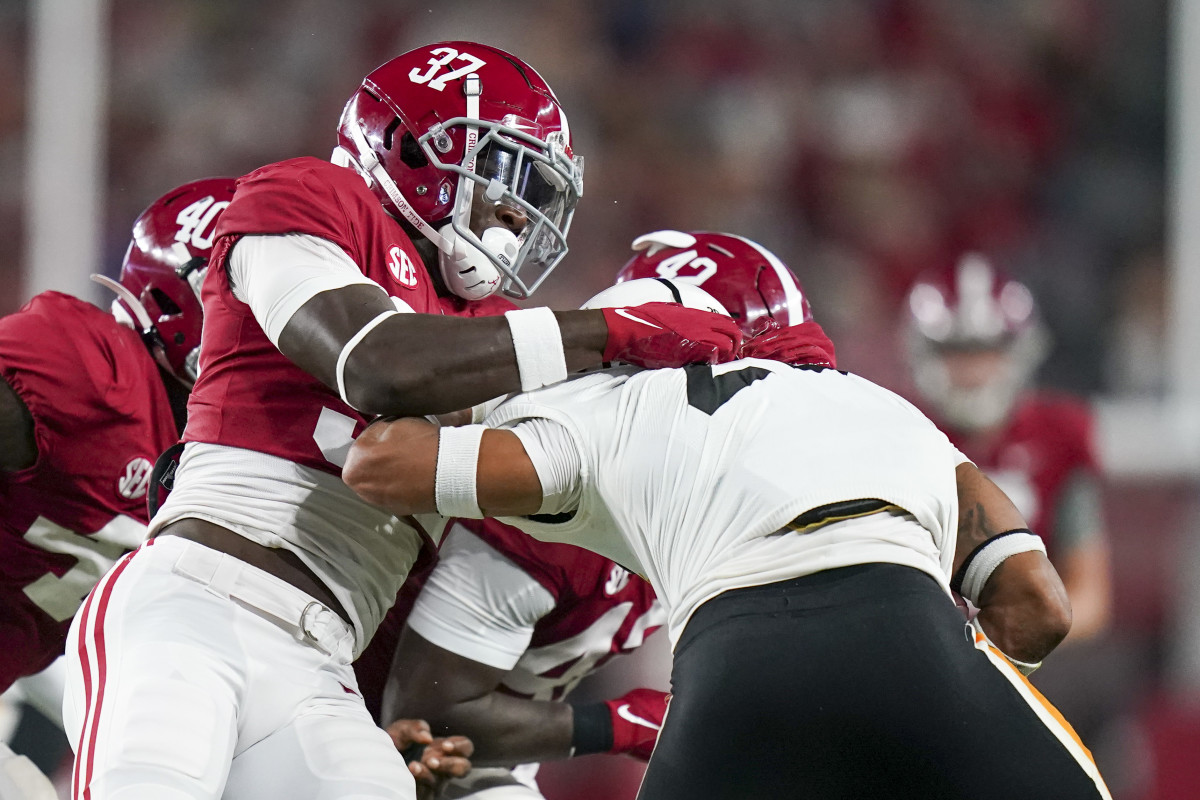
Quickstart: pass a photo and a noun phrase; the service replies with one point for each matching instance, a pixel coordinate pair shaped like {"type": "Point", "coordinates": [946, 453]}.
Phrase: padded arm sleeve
{"type": "Point", "coordinates": [276, 275]}
{"type": "Point", "coordinates": [556, 459]}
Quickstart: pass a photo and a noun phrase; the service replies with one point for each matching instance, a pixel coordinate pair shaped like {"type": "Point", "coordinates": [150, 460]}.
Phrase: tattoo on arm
{"type": "Point", "coordinates": [984, 510]}
{"type": "Point", "coordinates": [974, 526]}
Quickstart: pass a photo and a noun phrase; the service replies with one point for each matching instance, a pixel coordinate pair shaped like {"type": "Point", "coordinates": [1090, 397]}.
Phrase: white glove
{"type": "Point", "coordinates": [1024, 667]}
{"type": "Point", "coordinates": [21, 780]}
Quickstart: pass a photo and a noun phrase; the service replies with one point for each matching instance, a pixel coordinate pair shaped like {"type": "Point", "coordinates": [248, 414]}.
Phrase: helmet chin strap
{"type": "Point", "coordinates": [467, 271]}
{"type": "Point", "coordinates": [140, 315]}
{"type": "Point", "coordinates": [141, 320]}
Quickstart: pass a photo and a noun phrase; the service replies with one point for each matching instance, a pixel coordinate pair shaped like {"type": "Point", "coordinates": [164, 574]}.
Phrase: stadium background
{"type": "Point", "coordinates": [863, 141]}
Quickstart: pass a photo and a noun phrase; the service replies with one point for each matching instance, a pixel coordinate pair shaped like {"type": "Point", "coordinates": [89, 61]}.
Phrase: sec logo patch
{"type": "Point", "coordinates": [134, 482]}
{"type": "Point", "coordinates": [401, 267]}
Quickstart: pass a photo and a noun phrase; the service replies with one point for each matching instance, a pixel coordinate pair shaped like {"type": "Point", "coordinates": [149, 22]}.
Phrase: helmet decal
{"type": "Point", "coordinates": [158, 290]}
{"type": "Point", "coordinates": [749, 280]}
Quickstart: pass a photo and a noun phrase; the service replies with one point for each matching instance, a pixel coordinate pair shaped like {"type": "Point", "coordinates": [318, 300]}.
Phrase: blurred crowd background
{"type": "Point", "coordinates": [863, 141]}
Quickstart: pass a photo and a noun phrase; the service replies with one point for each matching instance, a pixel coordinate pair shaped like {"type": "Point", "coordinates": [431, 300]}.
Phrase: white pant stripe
{"type": "Point", "coordinates": [1039, 707]}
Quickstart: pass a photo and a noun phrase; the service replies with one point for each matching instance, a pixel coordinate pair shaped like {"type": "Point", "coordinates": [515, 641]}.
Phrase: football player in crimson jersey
{"type": "Point", "coordinates": [88, 400]}
{"type": "Point", "coordinates": [974, 344]}
{"type": "Point", "coordinates": [265, 577]}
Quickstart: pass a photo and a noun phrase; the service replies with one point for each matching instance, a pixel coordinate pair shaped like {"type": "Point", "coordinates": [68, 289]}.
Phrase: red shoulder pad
{"type": "Point", "coordinates": [301, 195]}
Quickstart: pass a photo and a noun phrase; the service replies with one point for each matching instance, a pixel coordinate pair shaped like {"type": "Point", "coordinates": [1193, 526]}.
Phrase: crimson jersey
{"type": "Point", "coordinates": [1048, 439]}
{"type": "Point", "coordinates": [249, 394]}
{"type": "Point", "coordinates": [600, 610]}
{"type": "Point", "coordinates": [101, 417]}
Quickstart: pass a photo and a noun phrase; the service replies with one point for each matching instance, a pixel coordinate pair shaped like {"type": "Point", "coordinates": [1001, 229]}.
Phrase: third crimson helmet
{"type": "Point", "coordinates": [158, 291]}
{"type": "Point", "coordinates": [747, 279]}
{"type": "Point", "coordinates": [973, 309]}
{"type": "Point", "coordinates": [434, 127]}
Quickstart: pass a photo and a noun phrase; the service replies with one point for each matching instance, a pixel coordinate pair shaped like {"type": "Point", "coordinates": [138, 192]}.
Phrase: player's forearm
{"type": "Point", "coordinates": [382, 361]}
{"type": "Point", "coordinates": [416, 364]}
{"type": "Point", "coordinates": [392, 464]}
{"type": "Point", "coordinates": [508, 730]}
{"type": "Point", "coordinates": [1024, 607]}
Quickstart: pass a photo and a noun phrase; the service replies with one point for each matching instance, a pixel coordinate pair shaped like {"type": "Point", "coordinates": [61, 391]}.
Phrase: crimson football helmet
{"type": "Point", "coordinates": [745, 277]}
{"type": "Point", "coordinates": [975, 341]}
{"type": "Point", "coordinates": [639, 291]}
{"type": "Point", "coordinates": [158, 292]}
{"type": "Point", "coordinates": [433, 127]}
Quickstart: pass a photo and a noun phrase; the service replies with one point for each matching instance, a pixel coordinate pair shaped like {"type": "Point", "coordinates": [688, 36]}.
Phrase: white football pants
{"type": "Point", "coordinates": [194, 675]}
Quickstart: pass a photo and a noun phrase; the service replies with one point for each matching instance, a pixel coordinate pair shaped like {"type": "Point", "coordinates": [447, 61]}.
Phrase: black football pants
{"type": "Point", "coordinates": [853, 684]}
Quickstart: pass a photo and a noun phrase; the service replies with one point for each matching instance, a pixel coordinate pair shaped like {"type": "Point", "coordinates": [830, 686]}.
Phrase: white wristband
{"type": "Point", "coordinates": [454, 483]}
{"type": "Point", "coordinates": [991, 555]}
{"type": "Point", "coordinates": [354, 341]}
{"type": "Point", "coordinates": [538, 345]}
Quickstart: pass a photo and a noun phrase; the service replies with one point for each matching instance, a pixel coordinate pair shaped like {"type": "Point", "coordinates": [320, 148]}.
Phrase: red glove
{"type": "Point", "coordinates": [658, 335]}
{"type": "Point", "coordinates": [798, 345]}
{"type": "Point", "coordinates": [636, 720]}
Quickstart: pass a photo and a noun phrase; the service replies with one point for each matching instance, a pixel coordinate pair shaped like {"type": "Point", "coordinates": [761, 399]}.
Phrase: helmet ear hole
{"type": "Point", "coordinates": [389, 130]}
{"type": "Point", "coordinates": [410, 152]}
{"type": "Point", "coordinates": [166, 305]}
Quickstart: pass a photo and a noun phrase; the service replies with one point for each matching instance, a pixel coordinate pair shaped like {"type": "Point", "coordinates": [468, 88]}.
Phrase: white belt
{"type": "Point", "coordinates": [308, 620]}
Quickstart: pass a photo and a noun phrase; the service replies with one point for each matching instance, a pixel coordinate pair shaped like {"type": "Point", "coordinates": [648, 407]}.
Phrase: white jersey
{"type": "Point", "coordinates": [690, 476]}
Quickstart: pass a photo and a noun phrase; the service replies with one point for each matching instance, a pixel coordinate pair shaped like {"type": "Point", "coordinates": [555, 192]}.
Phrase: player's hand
{"type": "Point", "coordinates": [658, 335]}
{"type": "Point", "coordinates": [443, 760]}
{"type": "Point", "coordinates": [637, 718]}
{"type": "Point", "coordinates": [432, 761]}
{"type": "Point", "coordinates": [798, 345]}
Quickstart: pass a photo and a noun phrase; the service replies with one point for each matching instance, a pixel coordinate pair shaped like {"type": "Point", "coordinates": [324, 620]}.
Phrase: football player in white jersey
{"type": "Point", "coordinates": [803, 528]}
{"type": "Point", "coordinates": [506, 626]}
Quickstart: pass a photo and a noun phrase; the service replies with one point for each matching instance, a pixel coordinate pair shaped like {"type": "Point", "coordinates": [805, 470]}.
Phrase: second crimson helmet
{"type": "Point", "coordinates": [435, 127]}
{"type": "Point", "coordinates": [747, 278]}
{"type": "Point", "coordinates": [158, 291]}
{"type": "Point", "coordinates": [973, 309]}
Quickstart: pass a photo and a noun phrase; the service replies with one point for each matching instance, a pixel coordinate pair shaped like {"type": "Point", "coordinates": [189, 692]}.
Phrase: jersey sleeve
{"type": "Point", "coordinates": [479, 604]}
{"type": "Point", "coordinates": [556, 460]}
{"type": "Point", "coordinates": [276, 275]}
